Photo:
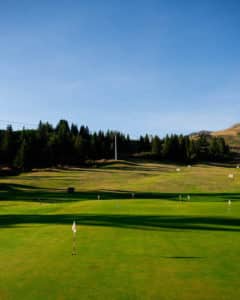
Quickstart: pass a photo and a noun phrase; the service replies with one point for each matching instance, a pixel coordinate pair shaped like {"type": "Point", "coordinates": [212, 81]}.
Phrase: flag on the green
{"type": "Point", "coordinates": [74, 227]}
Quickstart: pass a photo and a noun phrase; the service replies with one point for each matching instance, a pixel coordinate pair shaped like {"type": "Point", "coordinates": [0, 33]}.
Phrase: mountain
{"type": "Point", "coordinates": [201, 132]}
{"type": "Point", "coordinates": [231, 136]}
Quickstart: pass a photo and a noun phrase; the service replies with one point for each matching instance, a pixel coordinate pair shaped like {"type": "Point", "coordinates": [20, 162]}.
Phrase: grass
{"type": "Point", "coordinates": [152, 246]}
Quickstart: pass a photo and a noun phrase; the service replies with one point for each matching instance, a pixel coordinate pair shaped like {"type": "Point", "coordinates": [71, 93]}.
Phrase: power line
{"type": "Point", "coordinates": [8, 122]}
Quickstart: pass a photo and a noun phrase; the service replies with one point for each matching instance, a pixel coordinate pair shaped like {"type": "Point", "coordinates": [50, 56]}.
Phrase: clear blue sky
{"type": "Point", "coordinates": [136, 66]}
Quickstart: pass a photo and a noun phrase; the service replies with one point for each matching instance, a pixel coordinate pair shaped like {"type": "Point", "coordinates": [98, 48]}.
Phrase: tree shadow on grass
{"type": "Point", "coordinates": [140, 222]}
{"type": "Point", "coordinates": [16, 186]}
{"type": "Point", "coordinates": [139, 169]}
{"type": "Point", "coordinates": [183, 257]}
{"type": "Point", "coordinates": [22, 192]}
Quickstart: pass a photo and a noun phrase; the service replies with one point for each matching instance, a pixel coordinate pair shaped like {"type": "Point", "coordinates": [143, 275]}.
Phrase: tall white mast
{"type": "Point", "coordinates": [116, 156]}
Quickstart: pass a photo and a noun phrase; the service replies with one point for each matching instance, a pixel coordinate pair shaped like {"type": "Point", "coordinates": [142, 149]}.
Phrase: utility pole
{"type": "Point", "coordinates": [116, 155]}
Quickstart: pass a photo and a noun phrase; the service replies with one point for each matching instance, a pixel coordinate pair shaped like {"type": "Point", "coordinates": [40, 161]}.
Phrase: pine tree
{"type": "Point", "coordinates": [156, 146]}
{"type": "Point", "coordinates": [8, 146]}
{"type": "Point", "coordinates": [20, 161]}
{"type": "Point", "coordinates": [166, 147]}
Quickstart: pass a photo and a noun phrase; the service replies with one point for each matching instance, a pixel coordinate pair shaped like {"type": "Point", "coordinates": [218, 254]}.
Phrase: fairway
{"type": "Point", "coordinates": [139, 241]}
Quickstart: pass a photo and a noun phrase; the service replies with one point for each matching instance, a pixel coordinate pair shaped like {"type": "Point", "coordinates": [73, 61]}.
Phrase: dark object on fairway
{"type": "Point", "coordinates": [71, 190]}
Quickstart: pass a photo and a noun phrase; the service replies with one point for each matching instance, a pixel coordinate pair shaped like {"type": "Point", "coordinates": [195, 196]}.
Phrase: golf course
{"type": "Point", "coordinates": [144, 231]}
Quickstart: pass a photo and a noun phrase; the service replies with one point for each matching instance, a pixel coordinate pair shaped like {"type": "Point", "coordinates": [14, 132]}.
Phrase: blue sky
{"type": "Point", "coordinates": [135, 66]}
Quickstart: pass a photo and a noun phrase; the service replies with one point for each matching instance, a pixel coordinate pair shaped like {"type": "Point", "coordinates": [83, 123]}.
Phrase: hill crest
{"type": "Point", "coordinates": [231, 135]}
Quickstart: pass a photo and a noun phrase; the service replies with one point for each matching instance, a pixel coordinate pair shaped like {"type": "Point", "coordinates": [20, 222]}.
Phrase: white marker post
{"type": "Point", "coordinates": [74, 230]}
{"type": "Point", "coordinates": [229, 205]}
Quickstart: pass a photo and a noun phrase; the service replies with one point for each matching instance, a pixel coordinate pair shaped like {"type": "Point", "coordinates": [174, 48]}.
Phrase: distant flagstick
{"type": "Point", "coordinates": [74, 230]}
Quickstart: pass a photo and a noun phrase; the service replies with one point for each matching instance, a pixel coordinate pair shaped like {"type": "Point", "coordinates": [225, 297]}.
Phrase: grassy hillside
{"type": "Point", "coordinates": [152, 246]}
{"type": "Point", "coordinates": [126, 178]}
{"type": "Point", "coordinates": [231, 136]}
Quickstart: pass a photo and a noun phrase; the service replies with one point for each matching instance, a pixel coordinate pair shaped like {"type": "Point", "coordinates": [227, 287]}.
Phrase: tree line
{"type": "Point", "coordinates": [66, 144]}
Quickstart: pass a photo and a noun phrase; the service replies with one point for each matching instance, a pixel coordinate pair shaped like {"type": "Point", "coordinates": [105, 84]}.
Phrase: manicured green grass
{"type": "Point", "coordinates": [152, 246]}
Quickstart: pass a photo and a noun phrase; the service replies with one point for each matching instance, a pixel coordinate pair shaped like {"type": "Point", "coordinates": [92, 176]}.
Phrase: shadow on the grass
{"type": "Point", "coordinates": [142, 222]}
{"type": "Point", "coordinates": [22, 192]}
{"type": "Point", "coordinates": [183, 257]}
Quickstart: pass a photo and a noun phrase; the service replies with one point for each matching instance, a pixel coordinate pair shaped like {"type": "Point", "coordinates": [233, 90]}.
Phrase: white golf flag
{"type": "Point", "coordinates": [74, 227]}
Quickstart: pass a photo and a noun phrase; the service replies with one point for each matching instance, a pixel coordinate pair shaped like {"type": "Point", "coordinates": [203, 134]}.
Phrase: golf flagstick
{"type": "Point", "coordinates": [74, 230]}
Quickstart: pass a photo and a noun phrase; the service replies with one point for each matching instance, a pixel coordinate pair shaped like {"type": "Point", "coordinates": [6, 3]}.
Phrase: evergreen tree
{"type": "Point", "coordinates": [79, 149]}
{"type": "Point", "coordinates": [156, 146]}
{"type": "Point", "coordinates": [8, 146]}
{"type": "Point", "coordinates": [166, 147]}
{"type": "Point", "coordinates": [49, 146]}
{"type": "Point", "coordinates": [19, 161]}
{"type": "Point", "coordinates": [64, 142]}
{"type": "Point", "coordinates": [147, 144]}
{"type": "Point", "coordinates": [74, 130]}
{"type": "Point", "coordinates": [43, 151]}
{"type": "Point", "coordinates": [23, 160]}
